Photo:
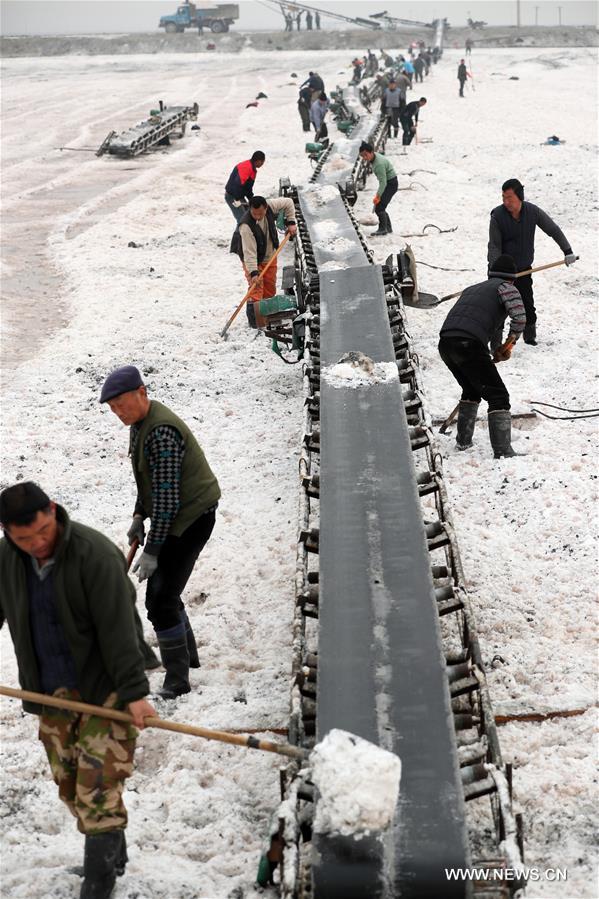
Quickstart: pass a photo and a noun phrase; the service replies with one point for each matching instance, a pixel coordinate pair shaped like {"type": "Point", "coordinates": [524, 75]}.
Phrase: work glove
{"type": "Point", "coordinates": [376, 200]}
{"type": "Point", "coordinates": [503, 352]}
{"type": "Point", "coordinates": [145, 566]}
{"type": "Point", "coordinates": [136, 531]}
{"type": "Point", "coordinates": [254, 274]}
{"type": "Point", "coordinates": [570, 258]}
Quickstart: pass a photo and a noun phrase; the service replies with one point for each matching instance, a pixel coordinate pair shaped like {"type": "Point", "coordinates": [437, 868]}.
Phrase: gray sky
{"type": "Point", "coordinates": [97, 16]}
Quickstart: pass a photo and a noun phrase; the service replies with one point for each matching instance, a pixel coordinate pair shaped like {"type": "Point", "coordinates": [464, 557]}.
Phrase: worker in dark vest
{"type": "Point", "coordinates": [463, 346]}
{"type": "Point", "coordinates": [512, 230]}
{"type": "Point", "coordinates": [69, 604]}
{"type": "Point", "coordinates": [255, 241]}
{"type": "Point", "coordinates": [239, 189]}
{"type": "Point", "coordinates": [178, 492]}
{"type": "Point", "coordinates": [463, 75]}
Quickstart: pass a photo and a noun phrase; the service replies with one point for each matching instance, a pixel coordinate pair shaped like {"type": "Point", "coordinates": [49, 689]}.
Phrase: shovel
{"type": "Point", "coordinates": [338, 760]}
{"type": "Point", "coordinates": [529, 271]}
{"type": "Point", "coordinates": [232, 318]}
{"type": "Point", "coordinates": [84, 708]}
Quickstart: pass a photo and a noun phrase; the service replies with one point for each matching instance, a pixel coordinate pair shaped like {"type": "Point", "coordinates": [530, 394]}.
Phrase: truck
{"type": "Point", "coordinates": [217, 17]}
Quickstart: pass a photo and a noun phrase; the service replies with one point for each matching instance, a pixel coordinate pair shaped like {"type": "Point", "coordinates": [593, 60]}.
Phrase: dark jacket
{"type": "Point", "coordinates": [94, 601]}
{"type": "Point", "coordinates": [462, 73]}
{"type": "Point", "coordinates": [199, 488]}
{"type": "Point", "coordinates": [241, 181]}
{"type": "Point", "coordinates": [410, 112]}
{"type": "Point", "coordinates": [314, 82]}
{"type": "Point", "coordinates": [517, 238]}
{"type": "Point", "coordinates": [482, 309]}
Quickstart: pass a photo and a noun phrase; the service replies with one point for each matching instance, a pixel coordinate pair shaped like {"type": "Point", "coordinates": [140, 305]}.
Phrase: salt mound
{"type": "Point", "coordinates": [333, 265]}
{"type": "Point", "coordinates": [335, 245]}
{"type": "Point", "coordinates": [320, 194]}
{"type": "Point", "coordinates": [358, 784]}
{"type": "Point", "coordinates": [347, 373]}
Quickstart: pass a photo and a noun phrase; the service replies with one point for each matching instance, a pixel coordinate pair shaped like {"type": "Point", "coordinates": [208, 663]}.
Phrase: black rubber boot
{"type": "Point", "coordinates": [530, 334]}
{"type": "Point", "coordinates": [122, 857]}
{"type": "Point", "coordinates": [466, 423]}
{"type": "Point", "coordinates": [382, 229]}
{"type": "Point", "coordinates": [192, 646]}
{"type": "Point", "coordinates": [388, 224]}
{"type": "Point", "coordinates": [500, 433]}
{"type": "Point", "coordinates": [99, 864]}
{"type": "Point", "coordinates": [175, 658]}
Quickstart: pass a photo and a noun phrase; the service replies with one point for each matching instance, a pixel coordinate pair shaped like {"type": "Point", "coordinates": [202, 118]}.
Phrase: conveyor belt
{"type": "Point", "coordinates": [381, 672]}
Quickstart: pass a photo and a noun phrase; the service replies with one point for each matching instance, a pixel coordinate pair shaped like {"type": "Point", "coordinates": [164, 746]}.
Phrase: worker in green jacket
{"type": "Point", "coordinates": [70, 609]}
{"type": "Point", "coordinates": [387, 186]}
{"type": "Point", "coordinates": [178, 492]}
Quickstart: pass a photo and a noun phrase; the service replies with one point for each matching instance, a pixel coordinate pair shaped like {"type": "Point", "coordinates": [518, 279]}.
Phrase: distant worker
{"type": "Point", "coordinates": [315, 83]}
{"type": "Point", "coordinates": [469, 46]}
{"type": "Point", "coordinates": [419, 69]}
{"type": "Point", "coordinates": [512, 230]}
{"type": "Point", "coordinates": [69, 606]}
{"type": "Point", "coordinates": [357, 75]}
{"type": "Point", "coordinates": [298, 20]}
{"type": "Point", "coordinates": [463, 75]}
{"type": "Point", "coordinates": [408, 68]}
{"type": "Point", "coordinates": [409, 119]}
{"type": "Point", "coordinates": [303, 104]}
{"type": "Point", "coordinates": [465, 334]}
{"type": "Point", "coordinates": [255, 241]}
{"type": "Point", "coordinates": [288, 21]}
{"type": "Point", "coordinates": [239, 189]}
{"type": "Point", "coordinates": [391, 105]}
{"type": "Point", "coordinates": [178, 492]}
{"type": "Point", "coordinates": [318, 111]}
{"type": "Point", "coordinates": [317, 20]}
{"type": "Point", "coordinates": [309, 21]}
{"type": "Point", "coordinates": [387, 186]}
{"type": "Point", "coordinates": [403, 83]}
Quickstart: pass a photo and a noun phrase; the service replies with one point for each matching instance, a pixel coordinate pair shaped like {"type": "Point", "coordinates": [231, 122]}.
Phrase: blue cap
{"type": "Point", "coordinates": [121, 380]}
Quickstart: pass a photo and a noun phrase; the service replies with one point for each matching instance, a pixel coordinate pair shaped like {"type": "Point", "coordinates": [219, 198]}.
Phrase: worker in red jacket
{"type": "Point", "coordinates": [239, 189]}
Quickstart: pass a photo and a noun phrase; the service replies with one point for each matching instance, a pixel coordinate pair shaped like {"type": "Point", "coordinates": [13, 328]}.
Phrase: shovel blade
{"type": "Point", "coordinates": [424, 301]}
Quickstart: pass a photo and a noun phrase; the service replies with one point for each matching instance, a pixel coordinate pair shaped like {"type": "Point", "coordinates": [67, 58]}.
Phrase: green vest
{"type": "Point", "coordinates": [199, 488]}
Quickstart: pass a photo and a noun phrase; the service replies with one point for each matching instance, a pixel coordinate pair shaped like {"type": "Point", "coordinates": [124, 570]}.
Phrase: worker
{"type": "Point", "coordinates": [255, 241]}
{"type": "Point", "coordinates": [469, 46]}
{"type": "Point", "coordinates": [409, 119]}
{"type": "Point", "coordinates": [317, 20]}
{"type": "Point", "coordinates": [463, 75]}
{"type": "Point", "coordinates": [318, 111]}
{"type": "Point", "coordinates": [308, 21]}
{"type": "Point", "coordinates": [316, 85]}
{"type": "Point", "coordinates": [419, 68]}
{"type": "Point", "coordinates": [298, 19]}
{"type": "Point", "coordinates": [69, 607]}
{"type": "Point", "coordinates": [479, 313]}
{"type": "Point", "coordinates": [239, 189]}
{"type": "Point", "coordinates": [390, 106]}
{"type": "Point", "coordinates": [512, 230]}
{"type": "Point", "coordinates": [357, 74]}
{"type": "Point", "coordinates": [288, 21]}
{"type": "Point", "coordinates": [403, 84]}
{"type": "Point", "coordinates": [408, 70]}
{"type": "Point", "coordinates": [178, 492]}
{"type": "Point", "coordinates": [387, 186]}
{"type": "Point", "coordinates": [303, 104]}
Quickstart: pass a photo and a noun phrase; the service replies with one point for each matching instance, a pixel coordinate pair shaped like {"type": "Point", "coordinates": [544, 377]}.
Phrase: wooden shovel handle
{"type": "Point", "coordinates": [529, 271]}
{"type": "Point", "coordinates": [259, 278]}
{"type": "Point", "coordinates": [221, 736]}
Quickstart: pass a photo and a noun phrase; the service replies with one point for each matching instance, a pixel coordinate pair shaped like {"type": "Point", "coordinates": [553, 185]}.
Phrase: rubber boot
{"type": "Point", "coordinates": [192, 646]}
{"type": "Point", "coordinates": [99, 864]}
{"type": "Point", "coordinates": [500, 433]}
{"type": "Point", "coordinates": [151, 660]}
{"type": "Point", "coordinates": [465, 424]}
{"type": "Point", "coordinates": [388, 224]}
{"type": "Point", "coordinates": [175, 658]}
{"type": "Point", "coordinates": [122, 857]}
{"type": "Point", "coordinates": [530, 334]}
{"type": "Point", "coordinates": [382, 229]}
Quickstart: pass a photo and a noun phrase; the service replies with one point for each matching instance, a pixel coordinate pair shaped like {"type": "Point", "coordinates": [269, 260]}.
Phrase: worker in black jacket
{"type": "Point", "coordinates": [409, 119]}
{"type": "Point", "coordinates": [512, 230]}
{"type": "Point", "coordinates": [478, 314]}
{"type": "Point", "coordinates": [239, 189]}
{"type": "Point", "coordinates": [462, 76]}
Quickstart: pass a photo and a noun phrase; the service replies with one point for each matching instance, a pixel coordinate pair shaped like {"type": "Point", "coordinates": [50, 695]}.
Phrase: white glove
{"type": "Point", "coordinates": [570, 258]}
{"type": "Point", "coordinates": [146, 565]}
{"type": "Point", "coordinates": [136, 531]}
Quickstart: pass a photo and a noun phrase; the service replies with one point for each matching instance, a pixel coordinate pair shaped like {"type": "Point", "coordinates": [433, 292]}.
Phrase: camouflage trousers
{"type": "Point", "coordinates": [90, 758]}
